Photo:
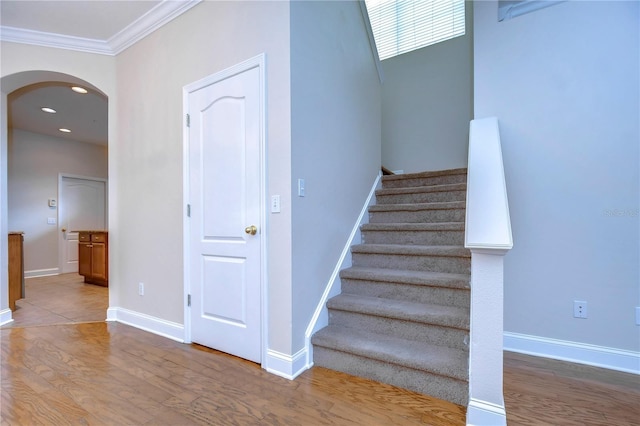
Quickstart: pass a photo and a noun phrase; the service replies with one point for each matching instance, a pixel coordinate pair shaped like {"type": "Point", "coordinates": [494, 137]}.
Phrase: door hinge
{"type": "Point", "coordinates": [188, 120]}
{"type": "Point", "coordinates": [188, 210]}
{"type": "Point", "coordinates": [188, 300]}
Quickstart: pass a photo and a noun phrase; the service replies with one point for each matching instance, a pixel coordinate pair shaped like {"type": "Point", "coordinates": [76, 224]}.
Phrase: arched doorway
{"type": "Point", "coordinates": [46, 158]}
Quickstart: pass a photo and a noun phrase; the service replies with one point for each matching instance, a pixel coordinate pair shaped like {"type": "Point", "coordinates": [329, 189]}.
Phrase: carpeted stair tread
{"type": "Point", "coordinates": [445, 316]}
{"type": "Point", "coordinates": [407, 353]}
{"type": "Point", "coordinates": [424, 278]}
{"type": "Point", "coordinates": [422, 189]}
{"type": "Point", "coordinates": [411, 250]}
{"type": "Point", "coordinates": [434, 226]}
{"type": "Point", "coordinates": [432, 173]}
{"type": "Point", "coordinates": [445, 205]}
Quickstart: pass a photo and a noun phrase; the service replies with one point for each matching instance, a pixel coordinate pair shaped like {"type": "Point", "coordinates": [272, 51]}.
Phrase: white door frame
{"type": "Point", "coordinates": [61, 176]}
{"type": "Point", "coordinates": [255, 62]}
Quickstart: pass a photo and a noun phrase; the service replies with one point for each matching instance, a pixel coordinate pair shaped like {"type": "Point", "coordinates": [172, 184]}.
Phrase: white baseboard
{"type": "Point", "coordinates": [41, 272]}
{"type": "Point", "coordinates": [287, 366]}
{"type": "Point", "coordinates": [482, 413]}
{"type": "Point", "coordinates": [581, 353]}
{"type": "Point", "coordinates": [168, 329]}
{"type": "Point", "coordinates": [5, 316]}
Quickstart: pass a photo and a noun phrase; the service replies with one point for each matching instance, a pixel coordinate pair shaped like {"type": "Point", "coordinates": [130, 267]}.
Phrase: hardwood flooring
{"type": "Point", "coordinates": [69, 372]}
{"type": "Point", "coordinates": [60, 299]}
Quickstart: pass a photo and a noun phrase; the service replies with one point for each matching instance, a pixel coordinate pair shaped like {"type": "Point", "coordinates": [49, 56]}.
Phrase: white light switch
{"type": "Point", "coordinates": [51, 221]}
{"type": "Point", "coordinates": [275, 204]}
{"type": "Point", "coordinates": [300, 187]}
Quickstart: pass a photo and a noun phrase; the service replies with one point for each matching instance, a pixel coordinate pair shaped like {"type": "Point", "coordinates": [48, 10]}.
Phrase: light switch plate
{"type": "Point", "coordinates": [51, 221]}
{"type": "Point", "coordinates": [275, 204]}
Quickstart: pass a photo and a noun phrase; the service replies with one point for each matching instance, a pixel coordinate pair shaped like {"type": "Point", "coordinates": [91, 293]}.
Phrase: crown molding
{"type": "Point", "coordinates": [60, 41]}
{"type": "Point", "coordinates": [160, 15]}
{"type": "Point", "coordinates": [148, 23]}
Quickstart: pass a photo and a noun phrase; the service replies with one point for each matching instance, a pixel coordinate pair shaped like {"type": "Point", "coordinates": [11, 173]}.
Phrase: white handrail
{"type": "Point", "coordinates": [488, 224]}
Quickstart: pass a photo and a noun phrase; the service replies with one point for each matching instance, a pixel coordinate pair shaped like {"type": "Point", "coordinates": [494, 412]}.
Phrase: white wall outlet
{"type": "Point", "coordinates": [275, 204]}
{"type": "Point", "coordinates": [637, 315]}
{"type": "Point", "coordinates": [579, 309]}
{"type": "Point", "coordinates": [141, 289]}
{"type": "Point", "coordinates": [301, 190]}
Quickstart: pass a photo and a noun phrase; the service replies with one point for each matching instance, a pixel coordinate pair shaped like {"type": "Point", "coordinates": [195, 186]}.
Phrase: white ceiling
{"type": "Point", "coordinates": [102, 27]}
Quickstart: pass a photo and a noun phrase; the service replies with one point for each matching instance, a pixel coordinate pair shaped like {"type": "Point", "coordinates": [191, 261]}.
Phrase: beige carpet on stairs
{"type": "Point", "coordinates": [403, 315]}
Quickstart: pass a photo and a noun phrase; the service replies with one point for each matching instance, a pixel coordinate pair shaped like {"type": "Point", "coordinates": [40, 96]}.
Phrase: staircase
{"type": "Point", "coordinates": [403, 315]}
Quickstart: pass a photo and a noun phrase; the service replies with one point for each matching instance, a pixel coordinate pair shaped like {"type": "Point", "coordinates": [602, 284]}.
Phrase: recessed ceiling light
{"type": "Point", "coordinates": [49, 110]}
{"type": "Point", "coordinates": [65, 130]}
{"type": "Point", "coordinates": [79, 89]}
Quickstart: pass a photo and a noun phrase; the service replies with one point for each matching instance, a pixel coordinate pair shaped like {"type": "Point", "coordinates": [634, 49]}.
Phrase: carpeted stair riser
{"type": "Point", "coordinates": [417, 213]}
{"type": "Point", "coordinates": [420, 197]}
{"type": "Point", "coordinates": [428, 333]}
{"type": "Point", "coordinates": [416, 380]}
{"type": "Point", "coordinates": [413, 286]}
{"type": "Point", "coordinates": [410, 292]}
{"type": "Point", "coordinates": [447, 235]}
{"type": "Point", "coordinates": [393, 259]}
{"type": "Point", "coordinates": [425, 179]}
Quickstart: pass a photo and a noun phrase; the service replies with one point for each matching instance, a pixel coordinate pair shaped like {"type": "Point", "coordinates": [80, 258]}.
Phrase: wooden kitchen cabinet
{"type": "Point", "coordinates": [93, 257]}
{"type": "Point", "coordinates": [16, 268]}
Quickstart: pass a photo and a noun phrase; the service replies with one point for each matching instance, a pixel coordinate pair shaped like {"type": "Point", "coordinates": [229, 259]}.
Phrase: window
{"type": "Point", "coordinates": [400, 26]}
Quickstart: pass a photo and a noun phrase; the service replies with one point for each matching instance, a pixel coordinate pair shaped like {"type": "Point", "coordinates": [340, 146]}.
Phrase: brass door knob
{"type": "Point", "coordinates": [64, 229]}
{"type": "Point", "coordinates": [251, 230]}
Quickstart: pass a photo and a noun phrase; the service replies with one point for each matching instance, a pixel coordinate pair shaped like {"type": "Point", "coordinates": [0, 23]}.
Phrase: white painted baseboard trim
{"type": "Point", "coordinates": [5, 316]}
{"type": "Point", "coordinates": [41, 272]}
{"type": "Point", "coordinates": [482, 413]}
{"type": "Point", "coordinates": [168, 329]}
{"type": "Point", "coordinates": [581, 353]}
{"type": "Point", "coordinates": [287, 366]}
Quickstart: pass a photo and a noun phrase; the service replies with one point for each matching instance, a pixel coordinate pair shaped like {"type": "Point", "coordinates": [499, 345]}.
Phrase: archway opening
{"type": "Point", "coordinates": [38, 154]}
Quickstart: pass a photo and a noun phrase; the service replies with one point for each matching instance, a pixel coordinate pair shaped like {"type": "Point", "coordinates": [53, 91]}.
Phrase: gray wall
{"type": "Point", "coordinates": [427, 105]}
{"type": "Point", "coordinates": [35, 161]}
{"type": "Point", "coordinates": [564, 83]}
{"type": "Point", "coordinates": [335, 142]}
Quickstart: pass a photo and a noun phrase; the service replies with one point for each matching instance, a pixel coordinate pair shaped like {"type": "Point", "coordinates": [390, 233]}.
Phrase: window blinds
{"type": "Point", "coordinates": [400, 26]}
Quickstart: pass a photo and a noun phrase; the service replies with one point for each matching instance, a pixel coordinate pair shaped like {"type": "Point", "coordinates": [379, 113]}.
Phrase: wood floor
{"type": "Point", "coordinates": [60, 299]}
{"type": "Point", "coordinates": [70, 372]}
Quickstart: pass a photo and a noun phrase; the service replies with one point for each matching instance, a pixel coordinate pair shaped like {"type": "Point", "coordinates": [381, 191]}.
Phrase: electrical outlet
{"type": "Point", "coordinates": [301, 189]}
{"type": "Point", "coordinates": [637, 315]}
{"type": "Point", "coordinates": [141, 289]}
{"type": "Point", "coordinates": [579, 309]}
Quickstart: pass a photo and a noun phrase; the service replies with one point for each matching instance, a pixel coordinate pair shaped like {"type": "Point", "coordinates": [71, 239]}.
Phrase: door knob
{"type": "Point", "coordinates": [64, 229]}
{"type": "Point", "coordinates": [251, 230]}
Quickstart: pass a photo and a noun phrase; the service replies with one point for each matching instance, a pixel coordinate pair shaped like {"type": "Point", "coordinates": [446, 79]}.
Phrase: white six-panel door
{"type": "Point", "coordinates": [224, 187]}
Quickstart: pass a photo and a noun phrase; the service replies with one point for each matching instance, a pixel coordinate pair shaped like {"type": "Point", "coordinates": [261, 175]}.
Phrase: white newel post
{"type": "Point", "coordinates": [486, 401]}
{"type": "Point", "coordinates": [488, 236]}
